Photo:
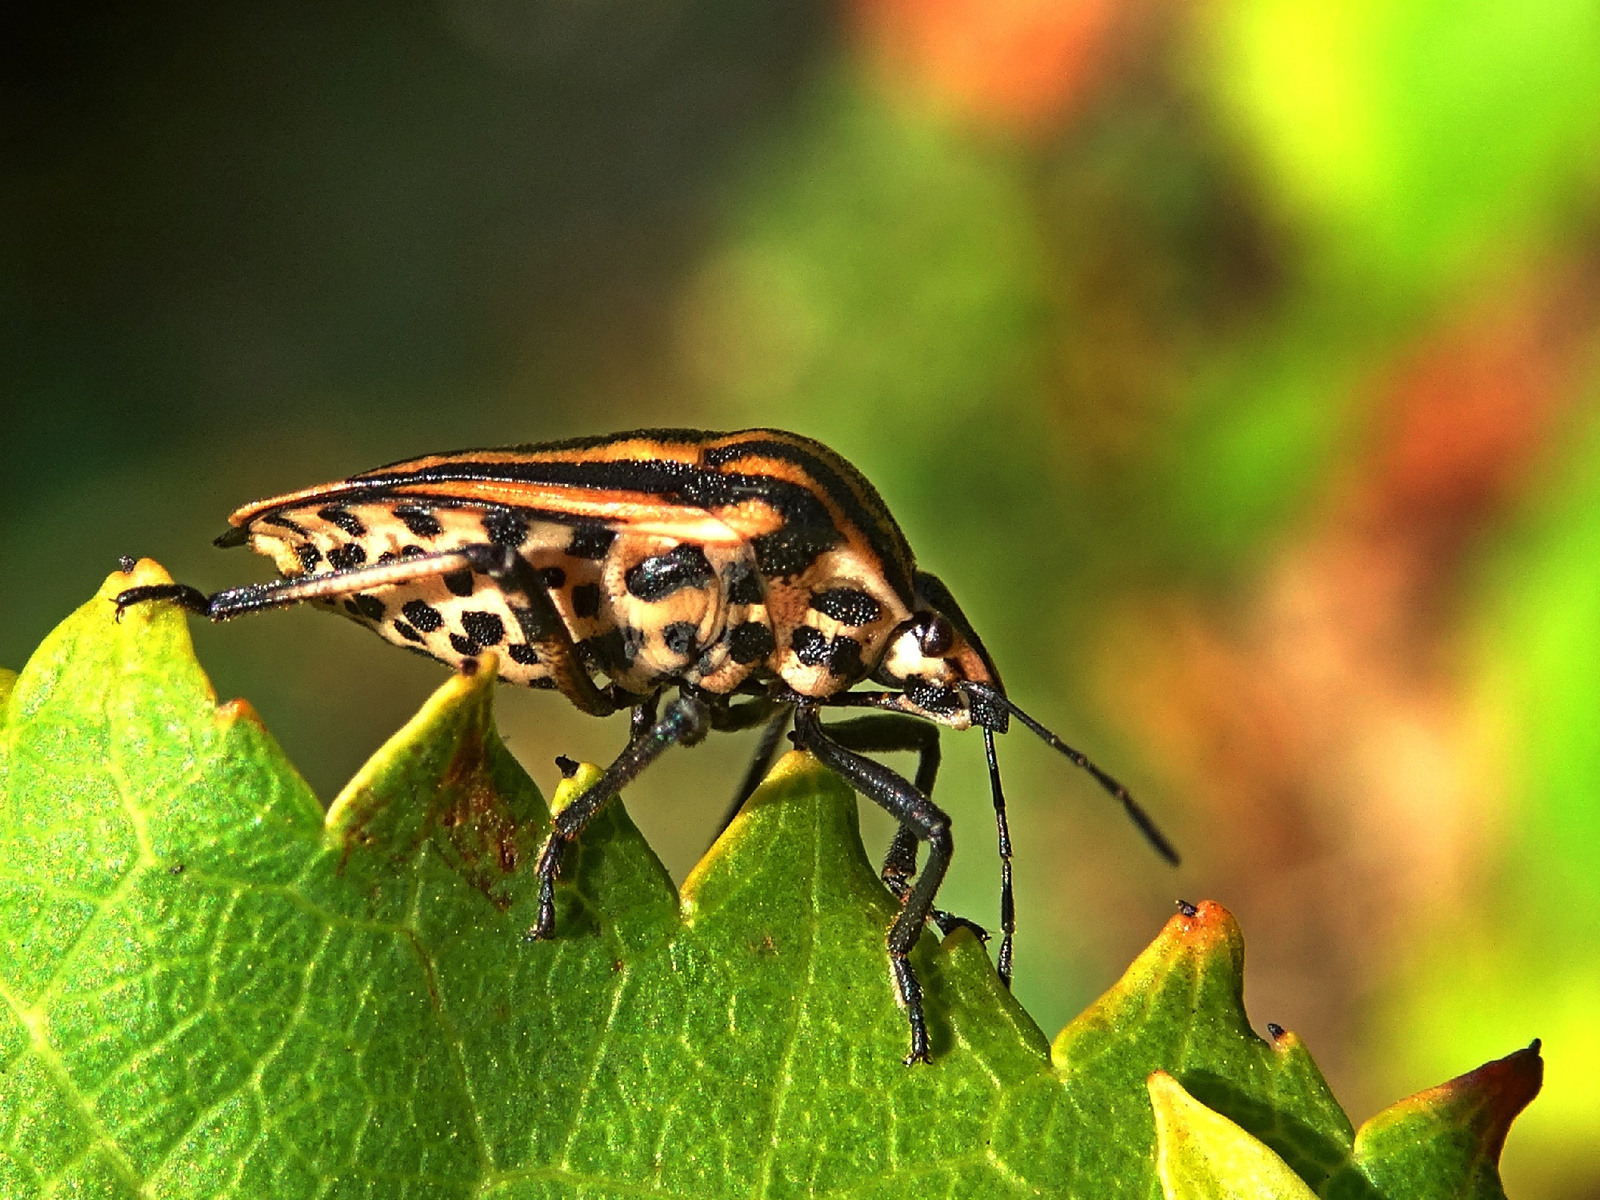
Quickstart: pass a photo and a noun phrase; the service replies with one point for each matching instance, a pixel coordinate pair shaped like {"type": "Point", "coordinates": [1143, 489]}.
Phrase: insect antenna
{"type": "Point", "coordinates": [1008, 908]}
{"type": "Point", "coordinates": [1116, 790]}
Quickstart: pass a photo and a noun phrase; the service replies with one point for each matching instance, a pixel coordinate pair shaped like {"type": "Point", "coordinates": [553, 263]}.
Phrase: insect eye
{"type": "Point", "coordinates": [934, 635]}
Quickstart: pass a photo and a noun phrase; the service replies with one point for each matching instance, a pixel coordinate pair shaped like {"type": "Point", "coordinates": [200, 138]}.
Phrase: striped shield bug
{"type": "Point", "coordinates": [756, 575]}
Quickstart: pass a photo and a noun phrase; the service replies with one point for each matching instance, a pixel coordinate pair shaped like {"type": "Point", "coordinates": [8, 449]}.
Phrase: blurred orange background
{"type": "Point", "coordinates": [1235, 363]}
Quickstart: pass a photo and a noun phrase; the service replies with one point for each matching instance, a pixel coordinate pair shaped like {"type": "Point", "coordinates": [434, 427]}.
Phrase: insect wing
{"type": "Point", "coordinates": [618, 510]}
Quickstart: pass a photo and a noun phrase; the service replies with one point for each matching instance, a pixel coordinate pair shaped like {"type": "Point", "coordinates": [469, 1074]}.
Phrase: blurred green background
{"type": "Point", "coordinates": [1234, 362]}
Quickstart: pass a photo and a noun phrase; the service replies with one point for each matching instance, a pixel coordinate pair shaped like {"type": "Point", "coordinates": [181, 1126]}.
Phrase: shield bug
{"type": "Point", "coordinates": [756, 575]}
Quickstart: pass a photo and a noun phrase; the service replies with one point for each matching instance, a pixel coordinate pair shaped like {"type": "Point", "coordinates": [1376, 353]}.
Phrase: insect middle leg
{"type": "Point", "coordinates": [685, 722]}
{"type": "Point", "coordinates": [927, 822]}
{"type": "Point", "coordinates": [761, 761]}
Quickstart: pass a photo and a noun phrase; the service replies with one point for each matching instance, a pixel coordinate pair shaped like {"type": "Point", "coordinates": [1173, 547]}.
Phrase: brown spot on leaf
{"type": "Point", "coordinates": [476, 830]}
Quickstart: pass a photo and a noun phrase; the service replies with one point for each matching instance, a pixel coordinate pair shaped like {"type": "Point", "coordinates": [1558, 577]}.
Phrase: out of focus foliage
{"type": "Point", "coordinates": [1234, 362]}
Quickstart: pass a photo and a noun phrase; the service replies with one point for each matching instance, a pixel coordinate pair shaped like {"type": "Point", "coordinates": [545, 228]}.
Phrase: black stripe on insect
{"type": "Point", "coordinates": [826, 536]}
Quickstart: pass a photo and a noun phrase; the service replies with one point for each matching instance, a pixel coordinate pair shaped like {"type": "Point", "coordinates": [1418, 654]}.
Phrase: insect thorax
{"type": "Point", "coordinates": [643, 610]}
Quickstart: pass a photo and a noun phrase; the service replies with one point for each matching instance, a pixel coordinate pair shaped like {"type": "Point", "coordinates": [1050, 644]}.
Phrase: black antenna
{"type": "Point", "coordinates": [1136, 814]}
{"type": "Point", "coordinates": [1008, 907]}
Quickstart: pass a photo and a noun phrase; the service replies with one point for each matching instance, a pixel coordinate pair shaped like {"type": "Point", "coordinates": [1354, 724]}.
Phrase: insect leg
{"type": "Point", "coordinates": [541, 624]}
{"type": "Point", "coordinates": [685, 722]}
{"type": "Point", "coordinates": [760, 764]}
{"type": "Point", "coordinates": [280, 593]}
{"type": "Point", "coordinates": [914, 810]}
{"type": "Point", "coordinates": [643, 715]}
{"type": "Point", "coordinates": [884, 734]}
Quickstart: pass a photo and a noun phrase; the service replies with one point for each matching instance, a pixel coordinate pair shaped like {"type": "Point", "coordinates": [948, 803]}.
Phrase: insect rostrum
{"type": "Point", "coordinates": [757, 575]}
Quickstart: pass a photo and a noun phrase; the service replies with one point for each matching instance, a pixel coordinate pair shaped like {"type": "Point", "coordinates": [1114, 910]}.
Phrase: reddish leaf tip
{"type": "Point", "coordinates": [144, 572]}
{"type": "Point", "coordinates": [239, 709]}
{"type": "Point", "coordinates": [1485, 1101]}
{"type": "Point", "coordinates": [1200, 925]}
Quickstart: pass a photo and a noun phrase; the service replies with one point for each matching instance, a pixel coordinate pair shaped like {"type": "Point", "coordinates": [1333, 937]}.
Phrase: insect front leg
{"type": "Point", "coordinates": [887, 733]}
{"type": "Point", "coordinates": [928, 822]}
{"type": "Point", "coordinates": [685, 722]}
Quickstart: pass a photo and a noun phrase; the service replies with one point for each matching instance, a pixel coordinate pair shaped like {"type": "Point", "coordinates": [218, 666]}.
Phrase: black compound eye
{"type": "Point", "coordinates": [934, 635]}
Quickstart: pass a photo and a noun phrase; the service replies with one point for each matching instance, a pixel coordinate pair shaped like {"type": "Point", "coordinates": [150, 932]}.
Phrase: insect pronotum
{"type": "Point", "coordinates": [756, 574]}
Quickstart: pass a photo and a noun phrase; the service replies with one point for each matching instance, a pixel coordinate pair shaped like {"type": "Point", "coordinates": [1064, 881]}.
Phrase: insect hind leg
{"type": "Point", "coordinates": [541, 624]}
{"type": "Point", "coordinates": [281, 593]}
{"type": "Point", "coordinates": [190, 599]}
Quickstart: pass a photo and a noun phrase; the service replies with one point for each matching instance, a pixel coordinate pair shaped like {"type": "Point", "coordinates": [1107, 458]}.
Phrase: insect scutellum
{"type": "Point", "coordinates": [756, 574]}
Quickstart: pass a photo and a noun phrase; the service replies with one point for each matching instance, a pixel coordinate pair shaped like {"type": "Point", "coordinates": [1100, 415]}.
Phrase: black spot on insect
{"type": "Point", "coordinates": [282, 522]}
{"type": "Point", "coordinates": [344, 519]}
{"type": "Point", "coordinates": [485, 628]}
{"type": "Point", "coordinates": [505, 528]}
{"type": "Point", "coordinates": [407, 632]}
{"type": "Point", "coordinates": [345, 558]}
{"type": "Point", "coordinates": [387, 556]}
{"type": "Point", "coordinates": [750, 642]}
{"type": "Point", "coordinates": [423, 615]}
{"type": "Point", "coordinates": [419, 521]}
{"type": "Point", "coordinates": [590, 541]}
{"type": "Point", "coordinates": [351, 607]}
{"type": "Point", "coordinates": [931, 696]}
{"type": "Point", "coordinates": [810, 646]}
{"type": "Point", "coordinates": [370, 607]}
{"type": "Point", "coordinates": [309, 556]}
{"type": "Point", "coordinates": [844, 657]}
{"type": "Point", "coordinates": [790, 551]}
{"type": "Point", "coordinates": [848, 606]}
{"type": "Point", "coordinates": [679, 637]}
{"type": "Point", "coordinates": [412, 551]}
{"type": "Point", "coordinates": [552, 577]}
{"type": "Point", "coordinates": [611, 649]}
{"type": "Point", "coordinates": [459, 582]}
{"type": "Point", "coordinates": [660, 576]}
{"type": "Point", "coordinates": [544, 683]}
{"type": "Point", "coordinates": [586, 599]}
{"type": "Point", "coordinates": [744, 585]}
{"type": "Point", "coordinates": [464, 645]}
{"type": "Point", "coordinates": [523, 653]}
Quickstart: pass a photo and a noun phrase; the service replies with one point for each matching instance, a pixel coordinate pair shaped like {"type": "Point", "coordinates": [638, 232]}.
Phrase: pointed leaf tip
{"type": "Point", "coordinates": [1458, 1128]}
{"type": "Point", "coordinates": [584, 776]}
{"type": "Point", "coordinates": [146, 572]}
{"type": "Point", "coordinates": [443, 779]}
{"type": "Point", "coordinates": [1199, 941]}
{"type": "Point", "coordinates": [1489, 1099]}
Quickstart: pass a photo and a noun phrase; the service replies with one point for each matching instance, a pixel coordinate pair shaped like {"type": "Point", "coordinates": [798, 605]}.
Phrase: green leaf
{"type": "Point", "coordinates": [1454, 1131]}
{"type": "Point", "coordinates": [212, 989]}
{"type": "Point", "coordinates": [1203, 1156]}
